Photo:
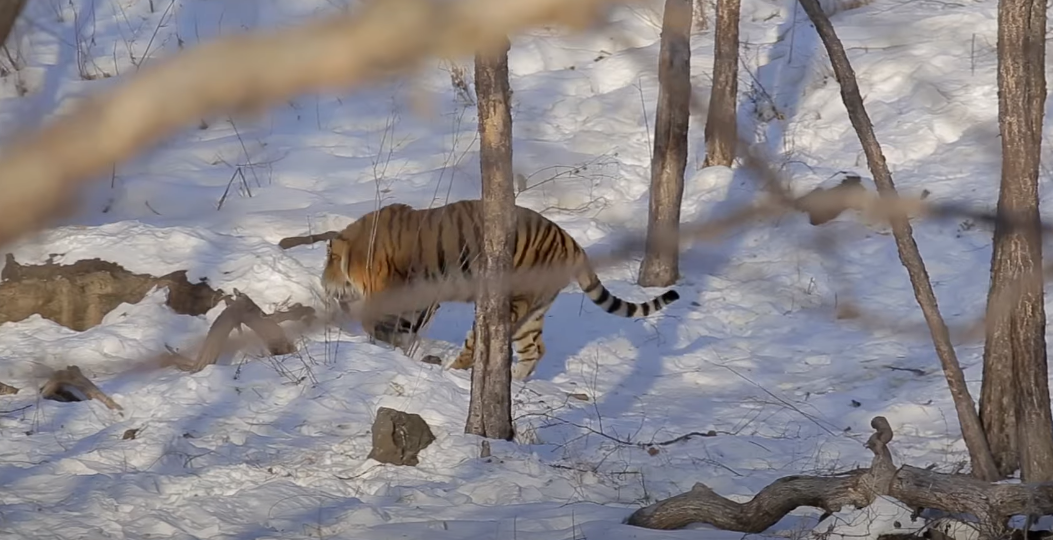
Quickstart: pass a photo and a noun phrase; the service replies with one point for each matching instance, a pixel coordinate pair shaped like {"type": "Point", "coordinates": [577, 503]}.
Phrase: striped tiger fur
{"type": "Point", "coordinates": [397, 244]}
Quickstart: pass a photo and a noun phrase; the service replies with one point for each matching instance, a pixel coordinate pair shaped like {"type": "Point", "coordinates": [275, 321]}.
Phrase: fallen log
{"type": "Point", "coordinates": [294, 241]}
{"type": "Point", "coordinates": [60, 383]}
{"type": "Point", "coordinates": [989, 504]}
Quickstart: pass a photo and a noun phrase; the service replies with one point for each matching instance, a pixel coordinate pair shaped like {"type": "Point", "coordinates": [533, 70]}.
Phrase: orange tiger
{"type": "Point", "coordinates": [406, 245]}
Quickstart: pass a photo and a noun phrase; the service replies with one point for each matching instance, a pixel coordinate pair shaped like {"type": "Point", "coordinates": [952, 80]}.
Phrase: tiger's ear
{"type": "Point", "coordinates": [398, 207]}
{"type": "Point", "coordinates": [333, 249]}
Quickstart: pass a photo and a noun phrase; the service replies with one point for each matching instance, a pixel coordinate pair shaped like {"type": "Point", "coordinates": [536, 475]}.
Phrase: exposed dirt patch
{"type": "Point", "coordinates": [79, 295]}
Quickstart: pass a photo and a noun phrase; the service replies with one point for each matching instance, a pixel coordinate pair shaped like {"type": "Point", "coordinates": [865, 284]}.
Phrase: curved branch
{"type": "Point", "coordinates": [703, 505]}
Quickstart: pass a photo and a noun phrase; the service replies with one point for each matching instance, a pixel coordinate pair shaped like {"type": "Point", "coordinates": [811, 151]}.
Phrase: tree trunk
{"type": "Point", "coordinates": [972, 430]}
{"type": "Point", "coordinates": [1014, 398]}
{"type": "Point", "coordinates": [490, 409]}
{"type": "Point", "coordinates": [9, 12]}
{"type": "Point", "coordinates": [660, 267]}
{"type": "Point", "coordinates": [721, 126]}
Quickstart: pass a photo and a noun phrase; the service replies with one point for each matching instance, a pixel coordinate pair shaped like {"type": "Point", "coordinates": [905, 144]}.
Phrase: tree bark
{"type": "Point", "coordinates": [660, 267]}
{"type": "Point", "coordinates": [972, 430]}
{"type": "Point", "coordinates": [1014, 397]}
{"type": "Point", "coordinates": [922, 489]}
{"type": "Point", "coordinates": [9, 12]}
{"type": "Point", "coordinates": [721, 125]}
{"type": "Point", "coordinates": [490, 409]}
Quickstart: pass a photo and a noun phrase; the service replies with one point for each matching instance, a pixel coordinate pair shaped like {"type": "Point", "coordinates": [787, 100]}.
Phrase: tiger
{"type": "Point", "coordinates": [398, 245]}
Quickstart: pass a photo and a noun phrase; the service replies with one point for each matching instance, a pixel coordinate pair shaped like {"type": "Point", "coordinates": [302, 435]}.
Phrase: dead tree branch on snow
{"type": "Point", "coordinates": [242, 311]}
{"type": "Point", "coordinates": [991, 504]}
{"type": "Point", "coordinates": [62, 381]}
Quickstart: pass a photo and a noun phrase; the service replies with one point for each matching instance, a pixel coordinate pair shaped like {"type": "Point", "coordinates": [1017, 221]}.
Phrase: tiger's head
{"type": "Point", "coordinates": [354, 267]}
{"type": "Point", "coordinates": [336, 278]}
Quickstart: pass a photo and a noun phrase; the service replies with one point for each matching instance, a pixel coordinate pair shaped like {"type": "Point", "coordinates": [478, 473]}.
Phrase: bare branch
{"type": "Point", "coordinates": [243, 311]}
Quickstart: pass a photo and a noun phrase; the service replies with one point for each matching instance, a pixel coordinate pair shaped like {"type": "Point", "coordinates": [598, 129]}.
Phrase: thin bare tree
{"type": "Point", "coordinates": [721, 125]}
{"type": "Point", "coordinates": [490, 409]}
{"type": "Point", "coordinates": [1014, 396]}
{"type": "Point", "coordinates": [660, 267]}
{"type": "Point", "coordinates": [972, 431]}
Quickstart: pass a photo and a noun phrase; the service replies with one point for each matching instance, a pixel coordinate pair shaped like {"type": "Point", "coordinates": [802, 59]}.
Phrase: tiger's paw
{"type": "Point", "coordinates": [463, 361]}
{"type": "Point", "coordinates": [521, 371]}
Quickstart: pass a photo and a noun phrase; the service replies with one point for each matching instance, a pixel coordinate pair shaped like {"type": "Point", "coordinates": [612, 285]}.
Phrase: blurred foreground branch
{"type": "Point", "coordinates": [41, 171]}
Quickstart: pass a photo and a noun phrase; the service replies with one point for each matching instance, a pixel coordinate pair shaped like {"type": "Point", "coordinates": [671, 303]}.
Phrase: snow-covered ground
{"type": "Point", "coordinates": [276, 448]}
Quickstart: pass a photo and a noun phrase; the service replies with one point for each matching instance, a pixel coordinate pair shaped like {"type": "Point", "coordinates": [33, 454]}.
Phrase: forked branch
{"type": "Point", "coordinates": [242, 311]}
{"type": "Point", "coordinates": [989, 503]}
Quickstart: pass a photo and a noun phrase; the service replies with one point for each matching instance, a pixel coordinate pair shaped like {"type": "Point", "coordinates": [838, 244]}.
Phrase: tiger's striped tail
{"type": "Point", "coordinates": [594, 289]}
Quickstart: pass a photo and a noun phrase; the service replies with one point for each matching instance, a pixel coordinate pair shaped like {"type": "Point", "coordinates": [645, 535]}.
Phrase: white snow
{"type": "Point", "coordinates": [276, 447]}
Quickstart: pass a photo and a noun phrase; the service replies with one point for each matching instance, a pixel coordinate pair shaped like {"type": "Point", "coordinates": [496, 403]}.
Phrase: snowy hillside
{"type": "Point", "coordinates": [276, 448]}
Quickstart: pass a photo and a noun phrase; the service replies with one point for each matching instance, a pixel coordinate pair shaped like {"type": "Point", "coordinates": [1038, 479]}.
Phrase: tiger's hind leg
{"type": "Point", "coordinates": [528, 342]}
{"type": "Point", "coordinates": [528, 317]}
{"type": "Point", "coordinates": [520, 308]}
